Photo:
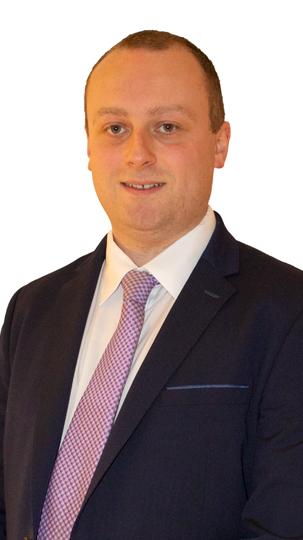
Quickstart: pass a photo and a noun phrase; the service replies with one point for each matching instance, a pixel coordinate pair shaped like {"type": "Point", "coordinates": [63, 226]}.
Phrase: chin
{"type": "Point", "coordinates": [143, 220]}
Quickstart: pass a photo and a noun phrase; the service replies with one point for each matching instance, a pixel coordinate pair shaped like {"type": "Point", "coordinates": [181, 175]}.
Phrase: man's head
{"type": "Point", "coordinates": [156, 131]}
{"type": "Point", "coordinates": [159, 41]}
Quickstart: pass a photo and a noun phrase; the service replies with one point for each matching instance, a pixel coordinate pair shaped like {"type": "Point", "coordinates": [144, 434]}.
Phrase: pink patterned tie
{"type": "Point", "coordinates": [89, 429]}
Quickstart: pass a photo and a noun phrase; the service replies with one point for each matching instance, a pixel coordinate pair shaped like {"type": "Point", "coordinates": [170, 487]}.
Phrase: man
{"type": "Point", "coordinates": [205, 438]}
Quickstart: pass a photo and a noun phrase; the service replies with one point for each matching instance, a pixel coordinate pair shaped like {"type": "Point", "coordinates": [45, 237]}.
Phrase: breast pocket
{"type": "Point", "coordinates": [198, 394]}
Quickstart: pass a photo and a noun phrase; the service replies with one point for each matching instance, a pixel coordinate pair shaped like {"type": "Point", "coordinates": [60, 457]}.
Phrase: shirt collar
{"type": "Point", "coordinates": [172, 267]}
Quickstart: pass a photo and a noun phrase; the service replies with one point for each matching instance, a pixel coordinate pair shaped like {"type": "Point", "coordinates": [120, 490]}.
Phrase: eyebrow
{"type": "Point", "coordinates": [103, 111]}
{"type": "Point", "coordinates": [171, 108]}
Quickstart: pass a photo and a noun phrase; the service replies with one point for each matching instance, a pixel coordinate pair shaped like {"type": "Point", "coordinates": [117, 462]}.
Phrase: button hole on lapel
{"type": "Point", "coordinates": [212, 294]}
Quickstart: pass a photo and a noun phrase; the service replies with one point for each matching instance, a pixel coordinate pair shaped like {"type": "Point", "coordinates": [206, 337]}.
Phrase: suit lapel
{"type": "Point", "coordinates": [202, 297]}
{"type": "Point", "coordinates": [66, 322]}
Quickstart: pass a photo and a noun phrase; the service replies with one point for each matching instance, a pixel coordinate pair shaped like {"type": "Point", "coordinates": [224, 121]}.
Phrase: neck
{"type": "Point", "coordinates": [140, 256]}
{"type": "Point", "coordinates": [142, 248]}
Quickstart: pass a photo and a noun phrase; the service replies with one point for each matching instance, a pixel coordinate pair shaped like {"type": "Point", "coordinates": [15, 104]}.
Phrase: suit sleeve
{"type": "Point", "coordinates": [4, 385]}
{"type": "Point", "coordinates": [275, 507]}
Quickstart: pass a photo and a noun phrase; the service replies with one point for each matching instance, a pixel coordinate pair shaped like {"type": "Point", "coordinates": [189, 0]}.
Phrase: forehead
{"type": "Point", "coordinates": [143, 76]}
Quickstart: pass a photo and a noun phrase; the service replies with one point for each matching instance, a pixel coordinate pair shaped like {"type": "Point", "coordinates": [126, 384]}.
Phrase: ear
{"type": "Point", "coordinates": [221, 145]}
{"type": "Point", "coordinates": [88, 155]}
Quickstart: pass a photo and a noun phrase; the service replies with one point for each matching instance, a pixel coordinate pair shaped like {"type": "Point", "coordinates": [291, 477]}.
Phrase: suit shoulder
{"type": "Point", "coordinates": [57, 275]}
{"type": "Point", "coordinates": [264, 276]}
{"type": "Point", "coordinates": [259, 262]}
{"type": "Point", "coordinates": [46, 287]}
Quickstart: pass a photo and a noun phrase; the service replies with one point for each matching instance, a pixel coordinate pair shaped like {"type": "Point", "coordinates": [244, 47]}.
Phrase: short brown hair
{"type": "Point", "coordinates": [156, 40]}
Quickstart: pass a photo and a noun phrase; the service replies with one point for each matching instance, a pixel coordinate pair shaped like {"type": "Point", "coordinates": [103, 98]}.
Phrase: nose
{"type": "Point", "coordinates": [139, 151]}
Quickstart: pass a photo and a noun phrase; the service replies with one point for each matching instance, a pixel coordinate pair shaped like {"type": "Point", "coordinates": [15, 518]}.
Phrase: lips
{"type": "Point", "coordinates": [143, 186]}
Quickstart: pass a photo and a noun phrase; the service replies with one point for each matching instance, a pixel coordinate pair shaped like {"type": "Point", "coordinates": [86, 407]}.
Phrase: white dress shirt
{"type": "Point", "coordinates": [172, 268]}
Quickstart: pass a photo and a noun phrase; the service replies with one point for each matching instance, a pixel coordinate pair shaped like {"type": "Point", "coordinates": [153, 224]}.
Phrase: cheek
{"type": "Point", "coordinates": [189, 161]}
{"type": "Point", "coordinates": [97, 158]}
{"type": "Point", "coordinates": [198, 173]}
{"type": "Point", "coordinates": [203, 163]}
{"type": "Point", "coordinates": [104, 167]}
{"type": "Point", "coordinates": [100, 154]}
{"type": "Point", "coordinates": [177, 159]}
{"type": "Point", "coordinates": [198, 155]}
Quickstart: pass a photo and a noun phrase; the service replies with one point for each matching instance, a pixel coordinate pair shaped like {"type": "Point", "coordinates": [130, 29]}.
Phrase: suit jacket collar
{"type": "Point", "coordinates": [222, 252]}
{"type": "Point", "coordinates": [206, 287]}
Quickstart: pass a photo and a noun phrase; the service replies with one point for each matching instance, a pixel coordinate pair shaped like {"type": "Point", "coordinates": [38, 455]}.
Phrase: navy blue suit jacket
{"type": "Point", "coordinates": [209, 442]}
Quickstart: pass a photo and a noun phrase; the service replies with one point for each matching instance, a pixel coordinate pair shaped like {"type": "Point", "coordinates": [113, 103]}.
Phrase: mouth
{"type": "Point", "coordinates": [143, 187]}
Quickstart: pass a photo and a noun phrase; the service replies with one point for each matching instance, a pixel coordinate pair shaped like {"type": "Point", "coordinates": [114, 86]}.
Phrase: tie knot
{"type": "Point", "coordinates": [137, 286]}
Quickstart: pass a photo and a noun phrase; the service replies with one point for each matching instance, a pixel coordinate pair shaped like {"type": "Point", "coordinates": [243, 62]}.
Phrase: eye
{"type": "Point", "coordinates": [115, 129]}
{"type": "Point", "coordinates": [168, 127]}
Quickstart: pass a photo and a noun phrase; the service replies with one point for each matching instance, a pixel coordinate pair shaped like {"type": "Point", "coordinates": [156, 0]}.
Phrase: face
{"type": "Point", "coordinates": [151, 150]}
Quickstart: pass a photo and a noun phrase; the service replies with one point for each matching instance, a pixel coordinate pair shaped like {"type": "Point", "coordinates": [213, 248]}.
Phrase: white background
{"type": "Point", "coordinates": [49, 212]}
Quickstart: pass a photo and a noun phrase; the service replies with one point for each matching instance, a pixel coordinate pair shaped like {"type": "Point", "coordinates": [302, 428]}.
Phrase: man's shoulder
{"type": "Point", "coordinates": [47, 287]}
{"type": "Point", "coordinates": [263, 281]}
{"type": "Point", "coordinates": [262, 265]}
{"type": "Point", "coordinates": [57, 276]}
{"type": "Point", "coordinates": [233, 257]}
{"type": "Point", "coordinates": [268, 283]}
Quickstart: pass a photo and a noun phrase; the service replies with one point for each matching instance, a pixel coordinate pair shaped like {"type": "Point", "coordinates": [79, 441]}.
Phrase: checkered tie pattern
{"type": "Point", "coordinates": [91, 424]}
